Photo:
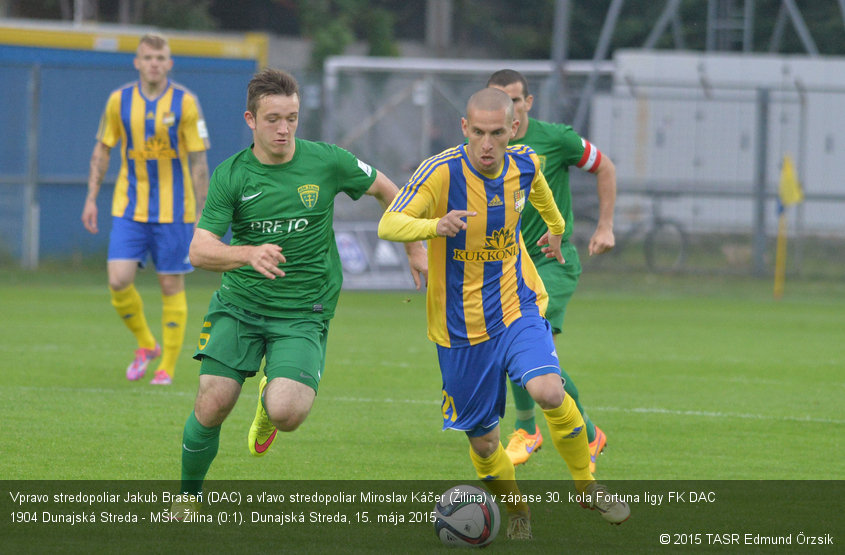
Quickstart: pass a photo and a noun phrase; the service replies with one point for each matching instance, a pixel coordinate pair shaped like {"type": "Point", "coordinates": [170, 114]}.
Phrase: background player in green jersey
{"type": "Point", "coordinates": [558, 147]}
{"type": "Point", "coordinates": [158, 194]}
{"type": "Point", "coordinates": [281, 272]}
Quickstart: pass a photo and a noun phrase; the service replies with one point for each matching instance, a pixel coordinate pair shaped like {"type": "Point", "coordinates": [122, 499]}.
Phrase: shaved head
{"type": "Point", "coordinates": [490, 100]}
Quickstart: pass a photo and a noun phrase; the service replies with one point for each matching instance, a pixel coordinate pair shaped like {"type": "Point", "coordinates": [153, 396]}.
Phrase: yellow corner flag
{"type": "Point", "coordinates": [789, 193]}
{"type": "Point", "coordinates": [790, 190]}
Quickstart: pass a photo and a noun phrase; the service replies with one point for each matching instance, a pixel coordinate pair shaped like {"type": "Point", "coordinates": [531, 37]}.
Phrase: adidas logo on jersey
{"type": "Point", "coordinates": [495, 201]}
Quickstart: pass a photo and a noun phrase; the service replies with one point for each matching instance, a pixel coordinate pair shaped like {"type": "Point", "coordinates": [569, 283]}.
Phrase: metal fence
{"type": "Point", "coordinates": [698, 168]}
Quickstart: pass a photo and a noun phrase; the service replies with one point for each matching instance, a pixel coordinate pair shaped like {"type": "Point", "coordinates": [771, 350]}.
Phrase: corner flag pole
{"type": "Point", "coordinates": [789, 193]}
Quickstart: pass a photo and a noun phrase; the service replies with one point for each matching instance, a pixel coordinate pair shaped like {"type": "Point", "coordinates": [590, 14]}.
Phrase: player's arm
{"type": "Point", "coordinates": [408, 216]}
{"type": "Point", "coordinates": [603, 239]}
{"type": "Point", "coordinates": [98, 167]}
{"type": "Point", "coordinates": [385, 191]}
{"type": "Point", "coordinates": [543, 200]}
{"type": "Point", "coordinates": [195, 138]}
{"type": "Point", "coordinates": [210, 253]}
{"type": "Point", "coordinates": [198, 162]}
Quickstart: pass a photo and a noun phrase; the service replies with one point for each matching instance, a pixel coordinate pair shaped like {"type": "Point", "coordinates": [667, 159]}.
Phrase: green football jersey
{"type": "Point", "coordinates": [290, 205]}
{"type": "Point", "coordinates": [558, 146]}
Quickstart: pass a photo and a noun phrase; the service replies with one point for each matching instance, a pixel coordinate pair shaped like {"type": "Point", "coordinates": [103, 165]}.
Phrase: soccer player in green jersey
{"type": "Point", "coordinates": [558, 147]}
{"type": "Point", "coordinates": [281, 272]}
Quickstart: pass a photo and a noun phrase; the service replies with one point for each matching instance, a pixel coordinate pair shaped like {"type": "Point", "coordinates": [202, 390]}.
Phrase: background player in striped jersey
{"type": "Point", "coordinates": [485, 301]}
{"type": "Point", "coordinates": [558, 146]}
{"type": "Point", "coordinates": [159, 192]}
{"type": "Point", "coordinates": [281, 273]}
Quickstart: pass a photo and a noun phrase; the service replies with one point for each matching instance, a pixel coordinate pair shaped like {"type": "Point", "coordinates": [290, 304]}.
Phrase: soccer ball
{"type": "Point", "coordinates": [466, 516]}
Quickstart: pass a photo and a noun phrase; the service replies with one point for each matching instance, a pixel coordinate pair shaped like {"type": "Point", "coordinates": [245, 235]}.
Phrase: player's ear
{"type": "Point", "coordinates": [250, 119]}
{"type": "Point", "coordinates": [465, 127]}
{"type": "Point", "coordinates": [529, 101]}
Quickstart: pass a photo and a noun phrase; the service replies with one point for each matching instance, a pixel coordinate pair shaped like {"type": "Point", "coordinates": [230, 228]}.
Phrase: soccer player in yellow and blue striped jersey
{"type": "Point", "coordinates": [485, 300]}
{"type": "Point", "coordinates": [161, 188]}
{"type": "Point", "coordinates": [558, 146]}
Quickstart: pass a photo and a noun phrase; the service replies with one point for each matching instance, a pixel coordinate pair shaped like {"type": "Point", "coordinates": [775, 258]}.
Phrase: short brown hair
{"type": "Point", "coordinates": [505, 77]}
{"type": "Point", "coordinates": [268, 82]}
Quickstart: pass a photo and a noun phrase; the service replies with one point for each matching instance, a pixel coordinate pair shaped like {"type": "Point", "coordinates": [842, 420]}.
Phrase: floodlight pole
{"type": "Point", "coordinates": [556, 85]}
{"type": "Point", "coordinates": [600, 54]}
{"type": "Point", "coordinates": [758, 246]}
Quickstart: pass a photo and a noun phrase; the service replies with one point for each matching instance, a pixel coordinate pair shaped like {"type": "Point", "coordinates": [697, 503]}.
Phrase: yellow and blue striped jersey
{"type": "Point", "coordinates": [481, 280]}
{"type": "Point", "coordinates": [154, 184]}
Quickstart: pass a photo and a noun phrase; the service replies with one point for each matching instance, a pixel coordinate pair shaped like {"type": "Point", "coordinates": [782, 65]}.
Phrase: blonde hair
{"type": "Point", "coordinates": [154, 40]}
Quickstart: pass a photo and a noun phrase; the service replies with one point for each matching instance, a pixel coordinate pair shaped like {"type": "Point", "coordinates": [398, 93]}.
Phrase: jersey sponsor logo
{"type": "Point", "coordinates": [495, 201]}
{"type": "Point", "coordinates": [500, 245]}
{"type": "Point", "coordinates": [366, 168]}
{"type": "Point", "coordinates": [308, 194]}
{"type": "Point", "coordinates": [155, 148]}
{"type": "Point", "coordinates": [519, 200]}
{"type": "Point", "coordinates": [245, 198]}
{"type": "Point", "coordinates": [279, 226]}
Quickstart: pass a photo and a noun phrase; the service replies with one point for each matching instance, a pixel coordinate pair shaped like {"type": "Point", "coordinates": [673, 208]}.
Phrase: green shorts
{"type": "Point", "coordinates": [233, 341]}
{"type": "Point", "coordinates": [560, 281]}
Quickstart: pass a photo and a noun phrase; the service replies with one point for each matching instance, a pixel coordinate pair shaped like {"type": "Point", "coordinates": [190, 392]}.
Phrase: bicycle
{"type": "Point", "coordinates": [665, 241]}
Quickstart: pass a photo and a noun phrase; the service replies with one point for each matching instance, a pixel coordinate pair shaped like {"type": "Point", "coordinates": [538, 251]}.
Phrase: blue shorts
{"type": "Point", "coordinates": [474, 388]}
{"type": "Point", "coordinates": [167, 244]}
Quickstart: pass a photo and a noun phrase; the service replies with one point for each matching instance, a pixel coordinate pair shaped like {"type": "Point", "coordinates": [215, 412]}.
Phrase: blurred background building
{"type": "Point", "coordinates": [697, 102]}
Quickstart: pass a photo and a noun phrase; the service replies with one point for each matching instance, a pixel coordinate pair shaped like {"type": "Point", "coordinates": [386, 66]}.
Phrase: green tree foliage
{"type": "Point", "coordinates": [335, 24]}
{"type": "Point", "coordinates": [192, 15]}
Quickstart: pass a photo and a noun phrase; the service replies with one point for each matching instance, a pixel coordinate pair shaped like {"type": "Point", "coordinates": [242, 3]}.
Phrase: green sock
{"type": "Point", "coordinates": [199, 447]}
{"type": "Point", "coordinates": [524, 409]}
{"type": "Point", "coordinates": [572, 391]}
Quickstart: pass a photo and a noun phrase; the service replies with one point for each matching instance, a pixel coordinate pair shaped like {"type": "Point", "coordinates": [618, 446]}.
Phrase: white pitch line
{"type": "Point", "coordinates": [638, 410]}
{"type": "Point", "coordinates": [435, 402]}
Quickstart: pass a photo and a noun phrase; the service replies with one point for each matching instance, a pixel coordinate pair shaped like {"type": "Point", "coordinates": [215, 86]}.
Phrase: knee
{"type": "Point", "coordinates": [484, 446]}
{"type": "Point", "coordinates": [118, 283]}
{"type": "Point", "coordinates": [210, 413]}
{"type": "Point", "coordinates": [286, 419]}
{"type": "Point", "coordinates": [550, 398]}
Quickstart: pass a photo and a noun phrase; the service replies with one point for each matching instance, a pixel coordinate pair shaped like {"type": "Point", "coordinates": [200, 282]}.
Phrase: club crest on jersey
{"type": "Point", "coordinates": [519, 200]}
{"type": "Point", "coordinates": [308, 194]}
{"type": "Point", "coordinates": [168, 118]}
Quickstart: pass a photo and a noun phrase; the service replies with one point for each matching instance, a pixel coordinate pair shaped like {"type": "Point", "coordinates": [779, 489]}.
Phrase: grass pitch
{"type": "Point", "coordinates": [701, 384]}
{"type": "Point", "coordinates": [690, 377]}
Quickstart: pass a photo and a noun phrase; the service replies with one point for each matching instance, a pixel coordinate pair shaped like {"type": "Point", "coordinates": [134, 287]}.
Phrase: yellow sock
{"type": "Point", "coordinates": [569, 435]}
{"type": "Point", "coordinates": [130, 308]}
{"type": "Point", "coordinates": [174, 315]}
{"type": "Point", "coordinates": [499, 476]}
